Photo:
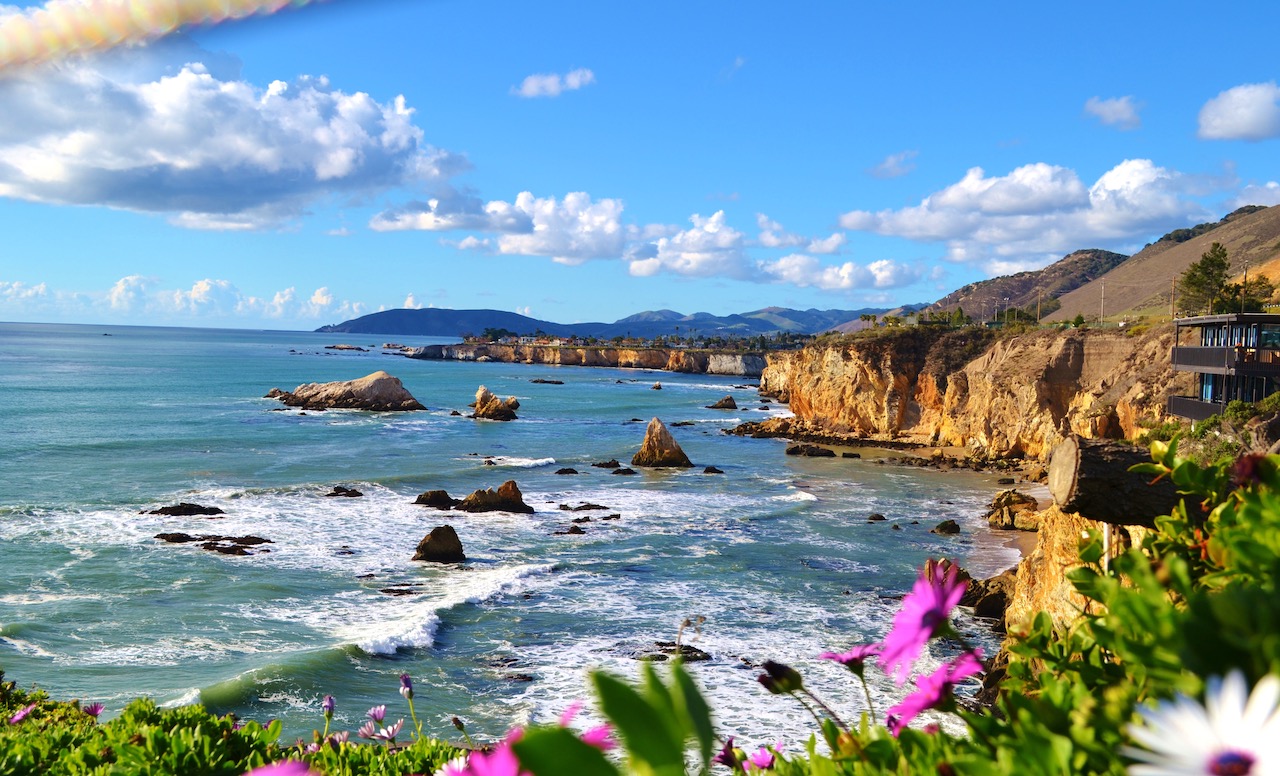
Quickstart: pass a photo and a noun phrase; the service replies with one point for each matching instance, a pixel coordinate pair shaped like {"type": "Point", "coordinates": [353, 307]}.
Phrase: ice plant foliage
{"type": "Point", "coordinates": [1235, 732]}
{"type": "Point", "coordinates": [923, 615]}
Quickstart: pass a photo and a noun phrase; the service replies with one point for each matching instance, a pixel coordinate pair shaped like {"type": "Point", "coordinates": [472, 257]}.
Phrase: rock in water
{"type": "Point", "coordinates": [442, 545]}
{"type": "Point", "coordinates": [727, 403]}
{"type": "Point", "coordinates": [946, 527]}
{"type": "Point", "coordinates": [436, 498]}
{"type": "Point", "coordinates": [660, 449]}
{"type": "Point", "coordinates": [507, 498]}
{"type": "Point", "coordinates": [490, 407]}
{"type": "Point", "coordinates": [379, 392]}
{"type": "Point", "coordinates": [1011, 510]}
{"type": "Point", "coordinates": [186, 509]}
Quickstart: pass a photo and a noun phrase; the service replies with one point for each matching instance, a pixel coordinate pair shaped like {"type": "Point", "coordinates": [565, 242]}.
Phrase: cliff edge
{"type": "Point", "coordinates": [1001, 395]}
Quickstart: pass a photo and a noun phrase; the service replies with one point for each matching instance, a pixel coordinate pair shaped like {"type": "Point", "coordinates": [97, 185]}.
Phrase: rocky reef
{"type": "Point", "coordinates": [660, 449]}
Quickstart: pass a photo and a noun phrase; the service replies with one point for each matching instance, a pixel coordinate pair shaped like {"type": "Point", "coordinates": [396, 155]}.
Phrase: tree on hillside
{"type": "Point", "coordinates": [1204, 282]}
{"type": "Point", "coordinates": [1256, 291]}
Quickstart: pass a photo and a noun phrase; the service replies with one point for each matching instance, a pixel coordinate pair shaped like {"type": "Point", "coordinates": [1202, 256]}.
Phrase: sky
{"type": "Point", "coordinates": [583, 161]}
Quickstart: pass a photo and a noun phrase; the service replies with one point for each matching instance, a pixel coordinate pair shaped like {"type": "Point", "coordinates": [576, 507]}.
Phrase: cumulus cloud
{"type": "Point", "coordinates": [710, 248]}
{"type": "Point", "coordinates": [1039, 211]}
{"type": "Point", "coordinates": [1245, 112]}
{"type": "Point", "coordinates": [1118, 112]}
{"type": "Point", "coordinates": [895, 165]}
{"type": "Point", "coordinates": [554, 84]}
{"type": "Point", "coordinates": [19, 292]}
{"type": "Point", "coordinates": [213, 152]}
{"type": "Point", "coordinates": [1258, 194]}
{"type": "Point", "coordinates": [806, 271]}
{"type": "Point", "coordinates": [772, 235]}
{"type": "Point", "coordinates": [569, 230]}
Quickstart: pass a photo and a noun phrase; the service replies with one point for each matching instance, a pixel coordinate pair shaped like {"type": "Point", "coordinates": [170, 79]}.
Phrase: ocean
{"type": "Point", "coordinates": [99, 424]}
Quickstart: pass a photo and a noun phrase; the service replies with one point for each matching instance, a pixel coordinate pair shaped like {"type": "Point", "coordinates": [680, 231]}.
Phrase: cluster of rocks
{"type": "Point", "coordinates": [185, 509]}
{"type": "Point", "coordinates": [378, 392]}
{"type": "Point", "coordinates": [507, 498]}
{"type": "Point", "coordinates": [226, 545]}
{"type": "Point", "coordinates": [1014, 511]}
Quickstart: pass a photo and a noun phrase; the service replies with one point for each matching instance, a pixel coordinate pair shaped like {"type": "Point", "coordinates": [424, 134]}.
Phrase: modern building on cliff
{"type": "Point", "coordinates": [1235, 357]}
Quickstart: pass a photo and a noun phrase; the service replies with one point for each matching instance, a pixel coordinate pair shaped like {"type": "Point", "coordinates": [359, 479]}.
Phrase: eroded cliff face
{"type": "Point", "coordinates": [665, 359]}
{"type": "Point", "coordinates": [1007, 396]}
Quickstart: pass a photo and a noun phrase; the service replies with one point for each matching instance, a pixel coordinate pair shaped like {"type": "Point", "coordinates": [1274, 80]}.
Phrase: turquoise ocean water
{"type": "Point", "coordinates": [776, 553]}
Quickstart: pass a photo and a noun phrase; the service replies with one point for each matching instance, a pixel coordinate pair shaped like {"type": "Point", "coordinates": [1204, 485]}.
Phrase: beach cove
{"type": "Point", "coordinates": [776, 553]}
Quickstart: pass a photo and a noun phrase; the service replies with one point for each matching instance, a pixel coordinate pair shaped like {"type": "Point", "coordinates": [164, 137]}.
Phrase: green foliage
{"type": "Point", "coordinates": [1078, 321]}
{"type": "Point", "coordinates": [1204, 282]}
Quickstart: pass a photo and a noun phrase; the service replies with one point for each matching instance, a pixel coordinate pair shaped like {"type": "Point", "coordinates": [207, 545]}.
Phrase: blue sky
{"type": "Point", "coordinates": [585, 161]}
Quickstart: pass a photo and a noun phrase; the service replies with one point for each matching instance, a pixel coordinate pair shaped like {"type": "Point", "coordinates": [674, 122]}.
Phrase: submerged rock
{"type": "Point", "coordinates": [946, 527]}
{"type": "Point", "coordinates": [567, 470]}
{"type": "Point", "coordinates": [490, 407]}
{"type": "Point", "coordinates": [378, 392]}
{"type": "Point", "coordinates": [186, 509]}
{"type": "Point", "coordinates": [612, 463]}
{"type": "Point", "coordinates": [712, 470]}
{"type": "Point", "coordinates": [507, 498]}
{"type": "Point", "coordinates": [811, 451]}
{"type": "Point", "coordinates": [442, 545]}
{"type": "Point", "coordinates": [343, 492]}
{"type": "Point", "coordinates": [660, 449]}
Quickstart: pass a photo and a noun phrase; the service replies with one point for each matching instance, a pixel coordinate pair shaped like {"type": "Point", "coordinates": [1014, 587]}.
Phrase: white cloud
{"type": "Point", "coordinates": [1118, 112]}
{"type": "Point", "coordinates": [806, 271]}
{"type": "Point", "coordinates": [1040, 211]}
{"type": "Point", "coordinates": [214, 153]}
{"type": "Point", "coordinates": [19, 292]}
{"type": "Point", "coordinates": [554, 84]}
{"type": "Point", "coordinates": [772, 235]}
{"type": "Point", "coordinates": [411, 303]}
{"type": "Point", "coordinates": [1245, 112]}
{"type": "Point", "coordinates": [1258, 194]}
{"type": "Point", "coordinates": [895, 165]}
{"type": "Point", "coordinates": [710, 248]}
{"type": "Point", "coordinates": [570, 230]}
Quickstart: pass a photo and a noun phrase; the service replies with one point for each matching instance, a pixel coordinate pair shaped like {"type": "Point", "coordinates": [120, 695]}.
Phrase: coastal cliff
{"type": "Point", "coordinates": [665, 359]}
{"type": "Point", "coordinates": [999, 395]}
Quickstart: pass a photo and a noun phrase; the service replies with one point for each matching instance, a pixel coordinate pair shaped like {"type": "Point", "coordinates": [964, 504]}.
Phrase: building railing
{"type": "Point", "coordinates": [1192, 408]}
{"type": "Point", "coordinates": [1223, 360]}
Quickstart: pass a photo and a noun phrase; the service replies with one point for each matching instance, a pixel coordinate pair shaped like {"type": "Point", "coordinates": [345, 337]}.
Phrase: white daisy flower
{"type": "Point", "coordinates": [1234, 734]}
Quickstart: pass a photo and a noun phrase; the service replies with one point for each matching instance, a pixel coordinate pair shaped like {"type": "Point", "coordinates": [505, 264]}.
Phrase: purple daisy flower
{"type": "Point", "coordinates": [924, 611]}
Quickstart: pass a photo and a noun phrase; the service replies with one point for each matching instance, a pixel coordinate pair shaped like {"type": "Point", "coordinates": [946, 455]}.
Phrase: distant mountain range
{"type": "Point", "coordinates": [439, 322]}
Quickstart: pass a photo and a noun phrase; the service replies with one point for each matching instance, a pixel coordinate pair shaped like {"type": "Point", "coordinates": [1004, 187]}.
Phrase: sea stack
{"type": "Point", "coordinates": [660, 449]}
{"type": "Point", "coordinates": [442, 545]}
{"type": "Point", "coordinates": [507, 498]}
{"type": "Point", "coordinates": [490, 407]}
{"type": "Point", "coordinates": [379, 392]}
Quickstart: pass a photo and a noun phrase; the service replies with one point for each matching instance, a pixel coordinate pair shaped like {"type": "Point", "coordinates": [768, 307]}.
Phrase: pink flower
{"type": "Point", "coordinates": [933, 690]}
{"type": "Point", "coordinates": [390, 732]}
{"type": "Point", "coordinates": [600, 736]}
{"type": "Point", "coordinates": [855, 659]}
{"type": "Point", "coordinates": [728, 756]}
{"type": "Point", "coordinates": [924, 611]}
{"type": "Point", "coordinates": [377, 713]}
{"type": "Point", "coordinates": [93, 709]}
{"type": "Point", "coordinates": [286, 768]}
{"type": "Point", "coordinates": [368, 730]}
{"type": "Point", "coordinates": [22, 714]}
{"type": "Point", "coordinates": [763, 758]}
{"type": "Point", "coordinates": [499, 762]}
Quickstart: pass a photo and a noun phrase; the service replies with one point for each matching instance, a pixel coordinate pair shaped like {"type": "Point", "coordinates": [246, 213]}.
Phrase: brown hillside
{"type": "Point", "coordinates": [1025, 289]}
{"type": "Point", "coordinates": [1143, 282]}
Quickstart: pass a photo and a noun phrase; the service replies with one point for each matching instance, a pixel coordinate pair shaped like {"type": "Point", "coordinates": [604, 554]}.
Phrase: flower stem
{"type": "Point", "coordinates": [830, 712]}
{"type": "Point", "coordinates": [416, 723]}
{"type": "Point", "coordinates": [871, 706]}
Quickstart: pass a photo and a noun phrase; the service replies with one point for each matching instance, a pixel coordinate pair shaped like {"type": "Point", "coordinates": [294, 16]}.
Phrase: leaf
{"type": "Point", "coordinates": [643, 729]}
{"type": "Point", "coordinates": [695, 706]}
{"type": "Point", "coordinates": [553, 751]}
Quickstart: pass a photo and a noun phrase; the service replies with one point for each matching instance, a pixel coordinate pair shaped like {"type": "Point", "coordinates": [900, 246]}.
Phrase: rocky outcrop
{"type": "Point", "coordinates": [990, 597]}
{"type": "Point", "coordinates": [490, 407]}
{"type": "Point", "coordinates": [1012, 396]}
{"type": "Point", "coordinates": [437, 499]}
{"type": "Point", "coordinates": [727, 403]}
{"type": "Point", "coordinates": [507, 498]}
{"type": "Point", "coordinates": [379, 392]}
{"type": "Point", "coordinates": [186, 509]}
{"type": "Point", "coordinates": [665, 359]}
{"type": "Point", "coordinates": [1013, 511]}
{"type": "Point", "coordinates": [442, 545]}
{"type": "Point", "coordinates": [660, 449]}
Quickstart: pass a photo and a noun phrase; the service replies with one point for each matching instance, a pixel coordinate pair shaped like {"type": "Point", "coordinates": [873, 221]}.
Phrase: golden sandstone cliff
{"type": "Point", "coordinates": [1000, 396]}
{"type": "Point", "coordinates": [666, 359]}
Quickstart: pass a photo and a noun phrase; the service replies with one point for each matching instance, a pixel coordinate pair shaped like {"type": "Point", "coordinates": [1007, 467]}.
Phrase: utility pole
{"type": "Point", "coordinates": [1245, 287]}
{"type": "Point", "coordinates": [1038, 294]}
{"type": "Point", "coordinates": [1102, 306]}
{"type": "Point", "coordinates": [1006, 311]}
{"type": "Point", "coordinates": [1173, 289]}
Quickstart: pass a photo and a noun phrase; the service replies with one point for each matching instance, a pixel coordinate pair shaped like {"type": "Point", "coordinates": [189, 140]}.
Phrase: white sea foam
{"type": "Point", "coordinates": [27, 648]}
{"type": "Point", "coordinates": [513, 461]}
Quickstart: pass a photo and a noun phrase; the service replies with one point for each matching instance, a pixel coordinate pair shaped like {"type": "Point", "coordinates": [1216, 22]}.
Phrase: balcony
{"type": "Point", "coordinates": [1222, 361]}
{"type": "Point", "coordinates": [1192, 408]}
